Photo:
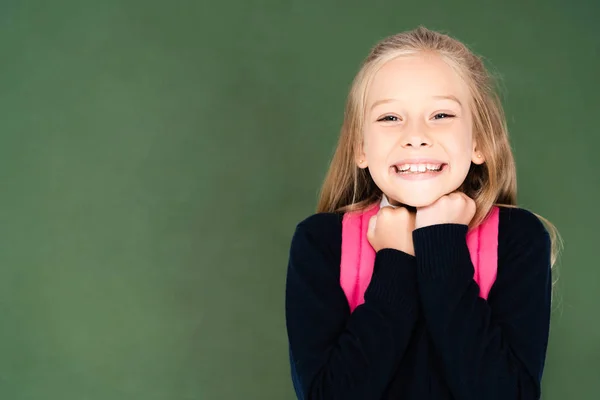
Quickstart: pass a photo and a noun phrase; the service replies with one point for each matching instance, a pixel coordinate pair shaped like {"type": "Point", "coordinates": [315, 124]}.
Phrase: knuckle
{"type": "Point", "coordinates": [372, 221]}
{"type": "Point", "coordinates": [385, 211]}
{"type": "Point", "coordinates": [403, 212]}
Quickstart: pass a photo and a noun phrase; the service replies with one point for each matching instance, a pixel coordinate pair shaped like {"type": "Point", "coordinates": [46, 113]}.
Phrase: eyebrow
{"type": "Point", "coordinates": [443, 97]}
{"type": "Point", "coordinates": [449, 97]}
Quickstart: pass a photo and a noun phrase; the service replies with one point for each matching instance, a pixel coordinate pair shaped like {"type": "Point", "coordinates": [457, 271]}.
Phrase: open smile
{"type": "Point", "coordinates": [421, 169]}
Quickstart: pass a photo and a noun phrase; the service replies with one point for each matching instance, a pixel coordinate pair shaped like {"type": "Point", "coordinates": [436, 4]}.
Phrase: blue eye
{"type": "Point", "coordinates": [443, 116]}
{"type": "Point", "coordinates": [389, 118]}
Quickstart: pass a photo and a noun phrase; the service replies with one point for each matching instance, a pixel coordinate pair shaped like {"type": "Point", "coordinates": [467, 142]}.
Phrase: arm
{"type": "Point", "coordinates": [335, 354]}
{"type": "Point", "coordinates": [494, 349]}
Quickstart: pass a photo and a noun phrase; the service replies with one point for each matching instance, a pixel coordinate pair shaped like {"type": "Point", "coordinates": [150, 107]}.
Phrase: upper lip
{"type": "Point", "coordinates": [418, 161]}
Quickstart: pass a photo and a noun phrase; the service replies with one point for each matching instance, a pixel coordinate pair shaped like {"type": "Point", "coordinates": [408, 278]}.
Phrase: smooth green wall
{"type": "Point", "coordinates": [155, 158]}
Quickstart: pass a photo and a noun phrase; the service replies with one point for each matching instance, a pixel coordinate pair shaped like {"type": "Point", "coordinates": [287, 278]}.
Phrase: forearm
{"type": "Point", "coordinates": [495, 353]}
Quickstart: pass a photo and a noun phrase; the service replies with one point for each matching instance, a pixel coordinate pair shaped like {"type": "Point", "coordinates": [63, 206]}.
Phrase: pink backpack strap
{"type": "Point", "coordinates": [358, 256]}
{"type": "Point", "coordinates": [483, 246]}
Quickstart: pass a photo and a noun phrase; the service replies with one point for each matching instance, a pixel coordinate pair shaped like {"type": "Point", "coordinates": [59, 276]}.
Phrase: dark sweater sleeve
{"type": "Point", "coordinates": [336, 354]}
{"type": "Point", "coordinates": [491, 349]}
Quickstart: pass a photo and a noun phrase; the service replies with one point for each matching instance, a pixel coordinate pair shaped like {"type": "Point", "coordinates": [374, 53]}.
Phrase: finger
{"type": "Point", "coordinates": [387, 210]}
{"type": "Point", "coordinates": [464, 196]}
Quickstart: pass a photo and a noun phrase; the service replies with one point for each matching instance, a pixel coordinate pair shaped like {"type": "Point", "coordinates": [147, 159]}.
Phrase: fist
{"type": "Point", "coordinates": [454, 208]}
{"type": "Point", "coordinates": [391, 228]}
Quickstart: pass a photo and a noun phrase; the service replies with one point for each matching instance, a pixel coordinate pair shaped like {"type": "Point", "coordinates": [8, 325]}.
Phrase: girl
{"type": "Point", "coordinates": [424, 138]}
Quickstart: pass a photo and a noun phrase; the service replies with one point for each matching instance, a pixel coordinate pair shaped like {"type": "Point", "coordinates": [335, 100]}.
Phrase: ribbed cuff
{"type": "Point", "coordinates": [394, 282]}
{"type": "Point", "coordinates": [442, 251]}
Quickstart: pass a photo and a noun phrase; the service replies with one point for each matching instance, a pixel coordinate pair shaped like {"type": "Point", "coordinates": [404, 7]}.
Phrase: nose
{"type": "Point", "coordinates": [415, 136]}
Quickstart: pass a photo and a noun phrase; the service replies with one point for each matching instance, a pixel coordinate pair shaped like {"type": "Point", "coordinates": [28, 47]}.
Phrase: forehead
{"type": "Point", "coordinates": [416, 77]}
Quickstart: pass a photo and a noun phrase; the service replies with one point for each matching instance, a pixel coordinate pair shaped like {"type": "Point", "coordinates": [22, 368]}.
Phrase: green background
{"type": "Point", "coordinates": [155, 158]}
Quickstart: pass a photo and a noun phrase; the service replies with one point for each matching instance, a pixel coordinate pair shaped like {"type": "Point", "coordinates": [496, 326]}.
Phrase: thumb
{"type": "Point", "coordinates": [372, 223]}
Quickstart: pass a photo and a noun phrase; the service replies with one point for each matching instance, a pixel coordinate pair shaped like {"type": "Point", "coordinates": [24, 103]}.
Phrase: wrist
{"type": "Point", "coordinates": [394, 281]}
{"type": "Point", "coordinates": [441, 250]}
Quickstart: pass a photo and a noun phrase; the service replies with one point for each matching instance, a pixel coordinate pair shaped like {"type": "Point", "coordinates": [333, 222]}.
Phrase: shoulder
{"type": "Point", "coordinates": [523, 242]}
{"type": "Point", "coordinates": [318, 235]}
{"type": "Point", "coordinates": [518, 225]}
{"type": "Point", "coordinates": [321, 223]}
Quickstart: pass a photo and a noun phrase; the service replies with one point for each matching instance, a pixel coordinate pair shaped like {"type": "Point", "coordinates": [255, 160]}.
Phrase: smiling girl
{"type": "Point", "coordinates": [424, 154]}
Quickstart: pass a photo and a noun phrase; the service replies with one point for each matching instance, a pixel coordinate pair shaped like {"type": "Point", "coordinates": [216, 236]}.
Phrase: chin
{"type": "Point", "coordinates": [415, 201]}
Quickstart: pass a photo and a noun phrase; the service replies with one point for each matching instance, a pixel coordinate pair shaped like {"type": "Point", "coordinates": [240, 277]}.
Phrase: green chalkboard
{"type": "Point", "coordinates": [155, 157]}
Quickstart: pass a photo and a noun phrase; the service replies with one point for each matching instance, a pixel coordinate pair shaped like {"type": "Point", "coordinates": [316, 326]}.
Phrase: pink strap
{"type": "Point", "coordinates": [358, 256]}
{"type": "Point", "coordinates": [483, 246]}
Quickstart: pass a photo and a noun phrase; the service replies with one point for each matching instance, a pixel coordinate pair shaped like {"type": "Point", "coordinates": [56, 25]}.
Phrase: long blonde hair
{"type": "Point", "coordinates": [349, 188]}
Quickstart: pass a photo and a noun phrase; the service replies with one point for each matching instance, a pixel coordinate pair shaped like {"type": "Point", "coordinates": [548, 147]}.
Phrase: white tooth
{"type": "Point", "coordinates": [422, 168]}
{"type": "Point", "coordinates": [414, 168]}
{"type": "Point", "coordinates": [431, 167]}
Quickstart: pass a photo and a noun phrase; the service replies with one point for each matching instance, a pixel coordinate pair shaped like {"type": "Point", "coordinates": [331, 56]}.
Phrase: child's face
{"type": "Point", "coordinates": [412, 130]}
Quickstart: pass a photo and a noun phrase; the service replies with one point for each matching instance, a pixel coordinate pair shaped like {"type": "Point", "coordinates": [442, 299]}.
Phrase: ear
{"type": "Point", "coordinates": [477, 157]}
{"type": "Point", "coordinates": [361, 158]}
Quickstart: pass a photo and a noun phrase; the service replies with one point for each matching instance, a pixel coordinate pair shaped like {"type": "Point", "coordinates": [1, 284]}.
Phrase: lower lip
{"type": "Point", "coordinates": [419, 176]}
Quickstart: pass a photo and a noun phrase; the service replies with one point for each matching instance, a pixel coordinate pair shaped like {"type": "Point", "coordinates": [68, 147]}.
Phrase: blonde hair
{"type": "Point", "coordinates": [350, 188]}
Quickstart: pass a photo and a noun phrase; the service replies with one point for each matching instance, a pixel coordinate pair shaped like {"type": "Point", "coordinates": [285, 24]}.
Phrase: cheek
{"type": "Point", "coordinates": [462, 140]}
{"type": "Point", "coordinates": [461, 150]}
{"type": "Point", "coordinates": [375, 147]}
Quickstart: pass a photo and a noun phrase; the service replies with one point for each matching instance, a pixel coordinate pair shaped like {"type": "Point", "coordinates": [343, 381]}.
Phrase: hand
{"type": "Point", "coordinates": [391, 228]}
{"type": "Point", "coordinates": [454, 208]}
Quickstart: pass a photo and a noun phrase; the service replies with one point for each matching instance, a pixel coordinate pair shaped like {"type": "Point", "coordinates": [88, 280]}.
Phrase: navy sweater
{"type": "Point", "coordinates": [423, 332]}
